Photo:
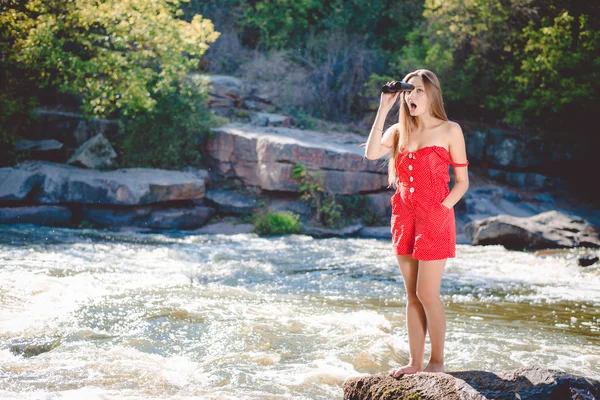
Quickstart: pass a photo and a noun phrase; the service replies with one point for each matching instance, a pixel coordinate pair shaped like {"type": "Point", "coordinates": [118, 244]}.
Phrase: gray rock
{"type": "Point", "coordinates": [264, 157]}
{"type": "Point", "coordinates": [476, 145]}
{"type": "Point", "coordinates": [17, 183]}
{"type": "Point", "coordinates": [380, 204]}
{"type": "Point", "coordinates": [96, 153]}
{"type": "Point", "coordinates": [224, 91]}
{"type": "Point", "coordinates": [34, 347]}
{"type": "Point", "coordinates": [350, 230]}
{"type": "Point", "coordinates": [269, 119]}
{"type": "Point", "coordinates": [527, 383]}
{"type": "Point", "coordinates": [37, 215]}
{"type": "Point", "coordinates": [228, 202]}
{"type": "Point", "coordinates": [375, 232]}
{"type": "Point", "coordinates": [72, 129]}
{"type": "Point", "coordinates": [528, 180]}
{"type": "Point", "coordinates": [551, 229]}
{"type": "Point", "coordinates": [296, 206]}
{"type": "Point", "coordinates": [147, 217]}
{"type": "Point", "coordinates": [224, 228]}
{"type": "Point", "coordinates": [587, 260]}
{"type": "Point", "coordinates": [133, 186]}
{"type": "Point", "coordinates": [38, 145]}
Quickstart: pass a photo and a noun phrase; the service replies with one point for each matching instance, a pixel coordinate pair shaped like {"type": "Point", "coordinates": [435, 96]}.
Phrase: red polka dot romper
{"type": "Point", "coordinates": [421, 225]}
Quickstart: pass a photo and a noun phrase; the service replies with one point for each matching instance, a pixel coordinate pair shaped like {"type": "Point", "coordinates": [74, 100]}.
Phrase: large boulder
{"type": "Point", "coordinates": [264, 157]}
{"type": "Point", "coordinates": [527, 383]}
{"type": "Point", "coordinates": [550, 229]}
{"type": "Point", "coordinates": [57, 183]}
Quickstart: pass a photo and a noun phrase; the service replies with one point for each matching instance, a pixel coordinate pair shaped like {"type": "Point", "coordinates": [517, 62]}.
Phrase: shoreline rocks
{"type": "Point", "coordinates": [547, 230]}
{"type": "Point", "coordinates": [527, 383]}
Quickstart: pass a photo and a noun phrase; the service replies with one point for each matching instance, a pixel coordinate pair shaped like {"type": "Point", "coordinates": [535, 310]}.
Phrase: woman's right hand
{"type": "Point", "coordinates": [388, 99]}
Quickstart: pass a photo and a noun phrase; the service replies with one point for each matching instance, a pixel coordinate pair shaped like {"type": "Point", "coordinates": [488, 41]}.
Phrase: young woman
{"type": "Point", "coordinates": [421, 146]}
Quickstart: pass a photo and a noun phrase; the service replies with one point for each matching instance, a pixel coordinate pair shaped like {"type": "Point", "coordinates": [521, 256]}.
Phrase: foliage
{"type": "Point", "coordinates": [170, 136]}
{"type": "Point", "coordinates": [128, 59]}
{"type": "Point", "coordinates": [327, 211]}
{"type": "Point", "coordinates": [525, 62]}
{"type": "Point", "coordinates": [119, 54]}
{"type": "Point", "coordinates": [271, 223]}
{"type": "Point", "coordinates": [550, 77]}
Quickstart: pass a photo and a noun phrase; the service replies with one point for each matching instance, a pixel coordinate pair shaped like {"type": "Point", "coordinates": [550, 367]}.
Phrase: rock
{"type": "Point", "coordinates": [269, 119]}
{"type": "Point", "coordinates": [39, 215]}
{"type": "Point", "coordinates": [71, 129]}
{"type": "Point", "coordinates": [375, 232]}
{"type": "Point", "coordinates": [224, 91]}
{"type": "Point", "coordinates": [529, 180]}
{"type": "Point", "coordinates": [350, 230]}
{"type": "Point", "coordinates": [527, 383]}
{"type": "Point", "coordinates": [476, 145]}
{"type": "Point", "coordinates": [551, 229]}
{"type": "Point", "coordinates": [224, 228]}
{"type": "Point", "coordinates": [587, 260]}
{"type": "Point", "coordinates": [296, 206]}
{"type": "Point", "coordinates": [34, 347]}
{"type": "Point", "coordinates": [146, 217]}
{"type": "Point", "coordinates": [17, 183]}
{"type": "Point", "coordinates": [133, 186]}
{"type": "Point", "coordinates": [228, 202]}
{"type": "Point", "coordinates": [38, 145]}
{"type": "Point", "coordinates": [380, 204]}
{"type": "Point", "coordinates": [96, 153]}
{"type": "Point", "coordinates": [178, 218]}
{"type": "Point", "coordinates": [264, 157]}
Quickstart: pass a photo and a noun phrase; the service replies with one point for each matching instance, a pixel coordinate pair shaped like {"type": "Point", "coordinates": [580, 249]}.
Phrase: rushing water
{"type": "Point", "coordinates": [102, 315]}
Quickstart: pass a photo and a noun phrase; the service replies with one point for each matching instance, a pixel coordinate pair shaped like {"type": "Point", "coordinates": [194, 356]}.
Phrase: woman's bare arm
{"type": "Point", "coordinates": [379, 143]}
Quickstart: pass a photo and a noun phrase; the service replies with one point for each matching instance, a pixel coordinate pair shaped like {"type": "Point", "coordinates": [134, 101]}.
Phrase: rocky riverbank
{"type": "Point", "coordinates": [248, 168]}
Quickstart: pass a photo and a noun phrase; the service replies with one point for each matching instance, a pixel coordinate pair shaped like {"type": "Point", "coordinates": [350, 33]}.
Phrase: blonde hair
{"type": "Point", "coordinates": [407, 123]}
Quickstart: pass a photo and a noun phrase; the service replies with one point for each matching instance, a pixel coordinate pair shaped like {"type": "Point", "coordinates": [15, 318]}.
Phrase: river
{"type": "Point", "coordinates": [175, 315]}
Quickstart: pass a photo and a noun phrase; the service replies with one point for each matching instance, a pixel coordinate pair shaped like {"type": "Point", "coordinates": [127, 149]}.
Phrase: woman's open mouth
{"type": "Point", "coordinates": [413, 106]}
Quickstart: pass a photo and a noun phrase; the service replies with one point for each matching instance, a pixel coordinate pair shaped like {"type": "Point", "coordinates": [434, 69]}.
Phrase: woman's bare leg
{"type": "Point", "coordinates": [428, 292]}
{"type": "Point", "coordinates": [415, 317]}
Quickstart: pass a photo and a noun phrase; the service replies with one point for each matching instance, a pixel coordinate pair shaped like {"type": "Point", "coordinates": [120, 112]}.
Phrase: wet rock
{"type": "Point", "coordinates": [34, 347]}
{"type": "Point", "coordinates": [379, 204]}
{"type": "Point", "coordinates": [147, 217]}
{"type": "Point", "coordinates": [375, 232]}
{"type": "Point", "coordinates": [37, 215]}
{"type": "Point", "coordinates": [350, 230]}
{"type": "Point", "coordinates": [587, 260]}
{"type": "Point", "coordinates": [551, 229]}
{"type": "Point", "coordinates": [96, 153]}
{"type": "Point", "coordinates": [224, 228]}
{"type": "Point", "coordinates": [527, 383]}
{"type": "Point", "coordinates": [296, 206]}
{"type": "Point", "coordinates": [264, 158]}
{"type": "Point", "coordinates": [228, 202]}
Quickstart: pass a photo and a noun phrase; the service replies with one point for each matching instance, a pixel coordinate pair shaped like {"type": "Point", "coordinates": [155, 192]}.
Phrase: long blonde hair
{"type": "Point", "coordinates": [407, 123]}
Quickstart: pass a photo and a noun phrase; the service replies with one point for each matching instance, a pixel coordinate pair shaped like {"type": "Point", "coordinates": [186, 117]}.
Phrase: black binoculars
{"type": "Point", "coordinates": [397, 86]}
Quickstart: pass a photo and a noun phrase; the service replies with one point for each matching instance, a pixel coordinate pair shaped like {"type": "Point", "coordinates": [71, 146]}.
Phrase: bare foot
{"type": "Point", "coordinates": [434, 367]}
{"type": "Point", "coordinates": [406, 370]}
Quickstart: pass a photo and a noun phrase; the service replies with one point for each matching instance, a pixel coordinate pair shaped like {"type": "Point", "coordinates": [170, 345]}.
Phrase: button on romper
{"type": "Point", "coordinates": [421, 225]}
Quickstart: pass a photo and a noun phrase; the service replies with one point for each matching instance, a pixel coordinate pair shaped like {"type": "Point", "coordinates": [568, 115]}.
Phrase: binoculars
{"type": "Point", "coordinates": [397, 86]}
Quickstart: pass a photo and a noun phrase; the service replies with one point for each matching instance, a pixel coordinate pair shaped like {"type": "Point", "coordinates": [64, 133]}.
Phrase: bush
{"type": "Point", "coordinates": [271, 223]}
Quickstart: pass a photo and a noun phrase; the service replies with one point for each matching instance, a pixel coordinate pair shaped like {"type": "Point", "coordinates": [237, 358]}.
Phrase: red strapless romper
{"type": "Point", "coordinates": [421, 225]}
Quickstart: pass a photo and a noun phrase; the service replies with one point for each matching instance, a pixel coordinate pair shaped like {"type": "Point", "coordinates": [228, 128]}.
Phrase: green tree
{"type": "Point", "coordinates": [124, 57]}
